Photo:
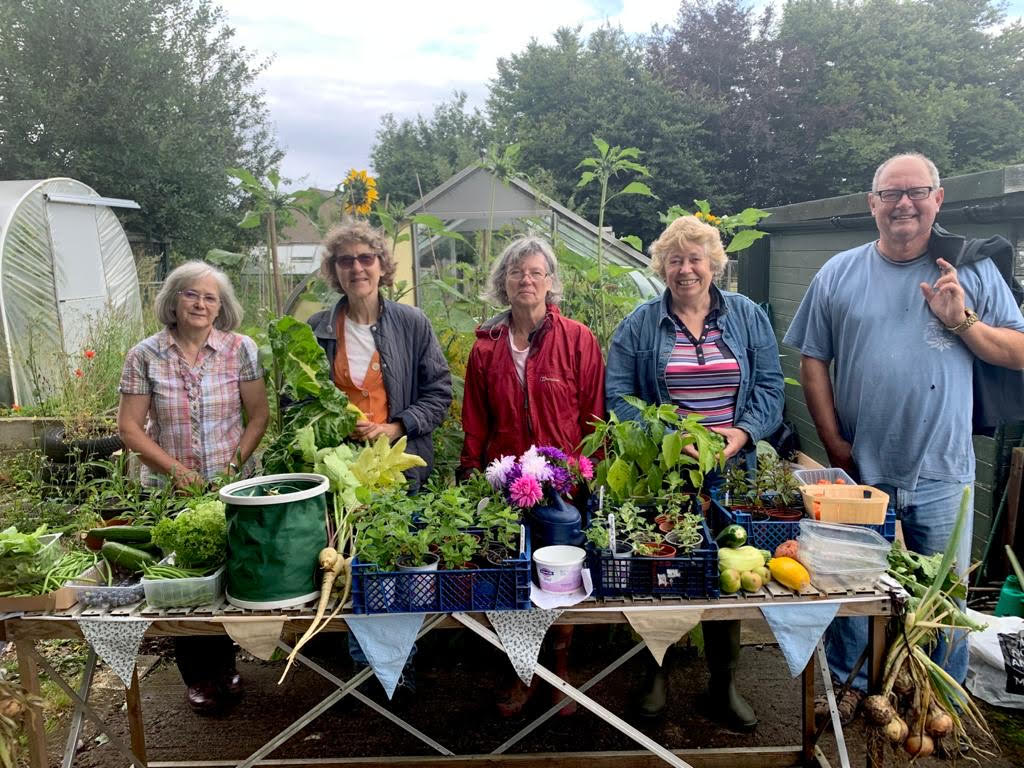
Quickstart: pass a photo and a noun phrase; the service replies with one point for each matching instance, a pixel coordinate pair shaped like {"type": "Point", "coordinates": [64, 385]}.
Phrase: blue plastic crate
{"type": "Point", "coordinates": [695, 575]}
{"type": "Point", "coordinates": [499, 588]}
{"type": "Point", "coordinates": [768, 534]}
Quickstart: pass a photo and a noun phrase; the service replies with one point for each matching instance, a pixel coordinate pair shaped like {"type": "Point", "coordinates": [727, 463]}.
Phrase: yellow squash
{"type": "Point", "coordinates": [790, 573]}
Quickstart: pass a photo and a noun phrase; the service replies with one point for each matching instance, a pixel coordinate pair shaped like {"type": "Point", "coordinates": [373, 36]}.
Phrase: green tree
{"type": "Point", "coordinates": [550, 99]}
{"type": "Point", "coordinates": [413, 155]}
{"type": "Point", "coordinates": [141, 99]}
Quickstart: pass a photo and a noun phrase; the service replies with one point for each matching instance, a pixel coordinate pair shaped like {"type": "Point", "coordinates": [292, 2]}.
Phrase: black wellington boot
{"type": "Point", "coordinates": [655, 691]}
{"type": "Point", "coordinates": [722, 649]}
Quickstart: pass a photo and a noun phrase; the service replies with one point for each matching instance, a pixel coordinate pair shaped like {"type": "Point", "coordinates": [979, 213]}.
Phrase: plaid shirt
{"type": "Point", "coordinates": [195, 413]}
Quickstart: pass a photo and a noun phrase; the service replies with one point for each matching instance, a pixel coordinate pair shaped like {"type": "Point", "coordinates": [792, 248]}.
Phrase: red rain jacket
{"type": "Point", "coordinates": [564, 390]}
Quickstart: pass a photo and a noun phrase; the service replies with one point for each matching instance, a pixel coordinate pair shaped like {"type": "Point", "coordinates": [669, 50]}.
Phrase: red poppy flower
{"type": "Point", "coordinates": [79, 372]}
{"type": "Point", "coordinates": [90, 354]}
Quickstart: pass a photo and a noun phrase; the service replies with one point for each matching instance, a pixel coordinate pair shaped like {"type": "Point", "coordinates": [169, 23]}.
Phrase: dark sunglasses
{"type": "Point", "coordinates": [347, 262]}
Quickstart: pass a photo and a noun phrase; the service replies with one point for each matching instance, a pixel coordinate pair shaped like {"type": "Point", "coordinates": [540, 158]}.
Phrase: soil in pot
{"type": "Point", "coordinates": [785, 515]}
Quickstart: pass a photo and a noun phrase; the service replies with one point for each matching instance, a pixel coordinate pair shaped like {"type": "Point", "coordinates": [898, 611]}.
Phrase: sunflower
{"type": "Point", "coordinates": [360, 192]}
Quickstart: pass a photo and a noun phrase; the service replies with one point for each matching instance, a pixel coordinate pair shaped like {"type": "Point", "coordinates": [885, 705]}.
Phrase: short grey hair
{"type": "Point", "coordinates": [230, 315]}
{"type": "Point", "coordinates": [933, 172]}
{"type": "Point", "coordinates": [513, 256]}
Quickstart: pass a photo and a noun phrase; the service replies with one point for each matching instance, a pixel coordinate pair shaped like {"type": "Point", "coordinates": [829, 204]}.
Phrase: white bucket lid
{"type": "Point", "coordinates": [227, 492]}
{"type": "Point", "coordinates": [559, 555]}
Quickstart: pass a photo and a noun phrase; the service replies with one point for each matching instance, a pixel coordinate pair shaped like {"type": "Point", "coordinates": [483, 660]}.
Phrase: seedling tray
{"type": "Point", "coordinates": [694, 575]}
{"type": "Point", "coordinates": [498, 588]}
{"type": "Point", "coordinates": [768, 534]}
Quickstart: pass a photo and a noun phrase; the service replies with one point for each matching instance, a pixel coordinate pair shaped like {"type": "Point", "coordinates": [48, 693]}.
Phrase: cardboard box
{"type": "Point", "coordinates": [802, 461]}
{"type": "Point", "coordinates": [58, 600]}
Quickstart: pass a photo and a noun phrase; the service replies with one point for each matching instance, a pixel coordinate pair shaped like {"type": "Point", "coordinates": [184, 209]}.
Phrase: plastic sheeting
{"type": "Point", "coordinates": [34, 270]}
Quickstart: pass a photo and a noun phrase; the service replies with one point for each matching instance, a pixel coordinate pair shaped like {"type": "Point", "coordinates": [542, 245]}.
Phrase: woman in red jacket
{"type": "Point", "coordinates": [534, 377]}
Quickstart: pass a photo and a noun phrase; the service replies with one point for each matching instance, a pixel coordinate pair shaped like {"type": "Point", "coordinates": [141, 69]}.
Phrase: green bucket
{"type": "Point", "coordinates": [276, 529]}
{"type": "Point", "coordinates": [1011, 598]}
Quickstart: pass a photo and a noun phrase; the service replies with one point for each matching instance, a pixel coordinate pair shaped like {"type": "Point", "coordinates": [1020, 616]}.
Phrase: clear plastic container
{"type": "Point", "coordinates": [100, 595]}
{"type": "Point", "coordinates": [835, 579]}
{"type": "Point", "coordinates": [841, 542]}
{"type": "Point", "coordinates": [814, 476]}
{"type": "Point", "coordinates": [184, 593]}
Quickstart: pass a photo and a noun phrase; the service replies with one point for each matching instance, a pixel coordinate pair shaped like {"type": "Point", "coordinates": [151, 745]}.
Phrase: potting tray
{"type": "Point", "coordinates": [505, 587]}
{"type": "Point", "coordinates": [693, 575]}
{"type": "Point", "coordinates": [768, 534]}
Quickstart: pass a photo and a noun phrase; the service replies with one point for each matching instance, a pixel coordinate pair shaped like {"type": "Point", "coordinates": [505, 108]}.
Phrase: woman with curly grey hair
{"type": "Point", "coordinates": [534, 377]}
{"type": "Point", "coordinates": [383, 354]}
{"type": "Point", "coordinates": [184, 391]}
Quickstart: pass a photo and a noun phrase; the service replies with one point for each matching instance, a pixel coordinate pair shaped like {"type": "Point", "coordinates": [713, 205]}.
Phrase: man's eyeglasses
{"type": "Point", "coordinates": [894, 195]}
{"type": "Point", "coordinates": [208, 299]}
{"type": "Point", "coordinates": [535, 276]}
{"type": "Point", "coordinates": [347, 262]}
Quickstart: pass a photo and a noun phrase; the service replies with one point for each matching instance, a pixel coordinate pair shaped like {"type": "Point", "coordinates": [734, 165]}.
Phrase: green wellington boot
{"type": "Point", "coordinates": [655, 690]}
{"type": "Point", "coordinates": [724, 702]}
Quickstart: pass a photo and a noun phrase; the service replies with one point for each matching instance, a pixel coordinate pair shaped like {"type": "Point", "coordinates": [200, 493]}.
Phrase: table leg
{"type": "Point", "coordinates": [876, 658]}
{"type": "Point", "coordinates": [136, 727]}
{"type": "Point", "coordinates": [807, 713]}
{"type": "Point", "coordinates": [75, 731]}
{"type": "Point", "coordinates": [35, 725]}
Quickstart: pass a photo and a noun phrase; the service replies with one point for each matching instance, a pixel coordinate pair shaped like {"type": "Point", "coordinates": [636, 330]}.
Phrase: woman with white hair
{"type": "Point", "coordinates": [183, 394]}
{"type": "Point", "coordinates": [534, 377]}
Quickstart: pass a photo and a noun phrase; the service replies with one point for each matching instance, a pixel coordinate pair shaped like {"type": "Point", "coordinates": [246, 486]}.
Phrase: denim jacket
{"type": "Point", "coordinates": [643, 342]}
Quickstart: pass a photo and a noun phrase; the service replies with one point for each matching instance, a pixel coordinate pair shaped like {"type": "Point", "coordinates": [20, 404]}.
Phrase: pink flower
{"type": "Point", "coordinates": [525, 491]}
{"type": "Point", "coordinates": [535, 465]}
{"type": "Point", "coordinates": [586, 468]}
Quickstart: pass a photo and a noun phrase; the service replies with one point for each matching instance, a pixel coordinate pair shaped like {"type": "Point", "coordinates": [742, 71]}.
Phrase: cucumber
{"type": "Point", "coordinates": [123, 556]}
{"type": "Point", "coordinates": [732, 536]}
{"type": "Point", "coordinates": [126, 534]}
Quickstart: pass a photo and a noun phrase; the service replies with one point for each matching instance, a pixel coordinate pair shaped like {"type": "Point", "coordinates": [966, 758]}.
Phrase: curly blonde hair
{"type": "Point", "coordinates": [688, 229]}
{"type": "Point", "coordinates": [356, 232]}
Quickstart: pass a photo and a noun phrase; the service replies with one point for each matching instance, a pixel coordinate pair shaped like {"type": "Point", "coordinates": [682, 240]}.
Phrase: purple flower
{"type": "Point", "coordinates": [498, 470]}
{"type": "Point", "coordinates": [561, 480]}
{"type": "Point", "coordinates": [525, 491]}
{"type": "Point", "coordinates": [553, 453]}
{"type": "Point", "coordinates": [533, 464]}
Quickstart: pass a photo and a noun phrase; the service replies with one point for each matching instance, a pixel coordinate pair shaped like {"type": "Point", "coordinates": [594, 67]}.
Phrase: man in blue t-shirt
{"type": "Point", "coordinates": [902, 329]}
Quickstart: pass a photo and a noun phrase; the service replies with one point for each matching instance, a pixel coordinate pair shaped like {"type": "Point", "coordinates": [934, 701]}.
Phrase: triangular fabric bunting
{"type": "Point", "coordinates": [522, 632]}
{"type": "Point", "coordinates": [798, 628]}
{"type": "Point", "coordinates": [257, 637]}
{"type": "Point", "coordinates": [660, 629]}
{"type": "Point", "coordinates": [386, 641]}
{"type": "Point", "coordinates": [116, 642]}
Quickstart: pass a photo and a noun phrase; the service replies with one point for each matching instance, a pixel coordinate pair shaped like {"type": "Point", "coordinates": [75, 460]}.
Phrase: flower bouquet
{"type": "Point", "coordinates": [538, 483]}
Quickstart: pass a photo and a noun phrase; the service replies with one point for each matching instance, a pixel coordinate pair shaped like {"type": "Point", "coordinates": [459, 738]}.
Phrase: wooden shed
{"type": "Point", "coordinates": [805, 235]}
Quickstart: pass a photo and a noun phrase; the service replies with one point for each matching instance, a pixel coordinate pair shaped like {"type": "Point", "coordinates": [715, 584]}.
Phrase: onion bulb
{"type": "Point", "coordinates": [896, 730]}
{"type": "Point", "coordinates": [919, 745]}
{"type": "Point", "coordinates": [878, 709]}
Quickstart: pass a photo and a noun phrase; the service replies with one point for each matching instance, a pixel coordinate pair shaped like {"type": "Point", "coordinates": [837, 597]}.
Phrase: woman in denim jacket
{"type": "Point", "coordinates": [712, 353]}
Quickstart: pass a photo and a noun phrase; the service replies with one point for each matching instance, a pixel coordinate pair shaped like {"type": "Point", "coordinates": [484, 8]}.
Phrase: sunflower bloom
{"type": "Point", "coordinates": [360, 192]}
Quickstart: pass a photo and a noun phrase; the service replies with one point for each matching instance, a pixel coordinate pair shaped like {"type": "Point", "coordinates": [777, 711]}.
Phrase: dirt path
{"type": "Point", "coordinates": [457, 678]}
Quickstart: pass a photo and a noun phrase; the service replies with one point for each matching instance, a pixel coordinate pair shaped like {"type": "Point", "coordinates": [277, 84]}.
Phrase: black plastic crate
{"type": "Point", "coordinates": [498, 588]}
{"type": "Point", "coordinates": [768, 534]}
{"type": "Point", "coordinates": [694, 575]}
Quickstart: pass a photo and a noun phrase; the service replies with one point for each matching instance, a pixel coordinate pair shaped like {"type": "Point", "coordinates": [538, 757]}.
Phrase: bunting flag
{"type": "Point", "coordinates": [660, 629]}
{"type": "Point", "coordinates": [798, 628]}
{"type": "Point", "coordinates": [387, 641]}
{"type": "Point", "coordinates": [521, 633]}
{"type": "Point", "coordinates": [257, 637]}
{"type": "Point", "coordinates": [117, 642]}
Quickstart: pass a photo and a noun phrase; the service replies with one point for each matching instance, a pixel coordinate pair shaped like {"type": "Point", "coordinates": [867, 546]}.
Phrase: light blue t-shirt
{"type": "Point", "coordinates": [902, 382]}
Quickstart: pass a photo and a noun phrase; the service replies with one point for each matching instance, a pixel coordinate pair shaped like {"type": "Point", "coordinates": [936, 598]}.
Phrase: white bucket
{"type": "Point", "coordinates": [559, 568]}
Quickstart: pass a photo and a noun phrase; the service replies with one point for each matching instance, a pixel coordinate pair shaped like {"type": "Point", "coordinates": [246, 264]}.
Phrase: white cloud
{"type": "Point", "coordinates": [339, 66]}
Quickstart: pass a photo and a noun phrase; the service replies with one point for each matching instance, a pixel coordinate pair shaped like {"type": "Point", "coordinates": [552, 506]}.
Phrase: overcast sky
{"type": "Point", "coordinates": [339, 66]}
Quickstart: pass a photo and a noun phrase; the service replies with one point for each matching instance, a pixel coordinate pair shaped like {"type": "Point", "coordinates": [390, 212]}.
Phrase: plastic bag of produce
{"type": "Point", "coordinates": [996, 670]}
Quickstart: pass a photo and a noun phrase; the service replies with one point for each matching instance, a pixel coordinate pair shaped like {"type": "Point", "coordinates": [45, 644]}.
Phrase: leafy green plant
{"type": "Point", "coordinates": [607, 164]}
{"type": "Point", "coordinates": [737, 230]}
{"type": "Point", "coordinates": [773, 484]}
{"type": "Point", "coordinates": [646, 459]}
{"type": "Point", "coordinates": [316, 403]}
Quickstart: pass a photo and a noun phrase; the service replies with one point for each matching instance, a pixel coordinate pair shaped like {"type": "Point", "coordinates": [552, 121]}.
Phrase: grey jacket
{"type": "Point", "coordinates": [416, 375]}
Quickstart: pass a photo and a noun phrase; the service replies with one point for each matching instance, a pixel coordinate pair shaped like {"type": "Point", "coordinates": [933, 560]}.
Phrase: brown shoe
{"type": "Point", "coordinates": [514, 698]}
{"type": "Point", "coordinates": [232, 685]}
{"type": "Point", "coordinates": [203, 698]}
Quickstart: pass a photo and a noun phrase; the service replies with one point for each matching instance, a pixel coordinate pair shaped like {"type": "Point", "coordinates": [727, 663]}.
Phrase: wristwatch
{"type": "Point", "coordinates": [970, 318]}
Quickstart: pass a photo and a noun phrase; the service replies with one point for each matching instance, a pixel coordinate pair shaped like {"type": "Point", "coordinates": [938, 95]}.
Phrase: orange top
{"type": "Point", "coordinates": [371, 398]}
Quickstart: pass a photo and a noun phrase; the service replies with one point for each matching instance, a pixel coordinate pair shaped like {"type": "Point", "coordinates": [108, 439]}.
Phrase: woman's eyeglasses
{"type": "Point", "coordinates": [208, 299]}
{"type": "Point", "coordinates": [365, 259]}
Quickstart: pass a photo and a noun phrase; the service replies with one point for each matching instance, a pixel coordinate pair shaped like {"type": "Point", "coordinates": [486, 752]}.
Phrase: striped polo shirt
{"type": "Point", "coordinates": [702, 375]}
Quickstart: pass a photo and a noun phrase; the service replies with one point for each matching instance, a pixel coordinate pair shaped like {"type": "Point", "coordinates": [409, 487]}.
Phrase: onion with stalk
{"type": "Point", "coordinates": [939, 705]}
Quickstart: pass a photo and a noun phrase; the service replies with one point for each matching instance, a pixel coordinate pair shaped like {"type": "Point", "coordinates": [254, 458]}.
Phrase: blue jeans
{"type": "Point", "coordinates": [928, 514]}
